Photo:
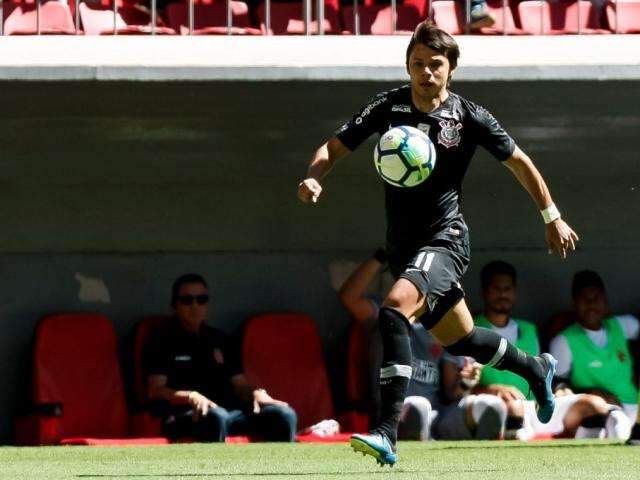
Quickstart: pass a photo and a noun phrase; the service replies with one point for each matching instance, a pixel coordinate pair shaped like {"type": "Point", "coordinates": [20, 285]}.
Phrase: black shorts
{"type": "Point", "coordinates": [435, 269]}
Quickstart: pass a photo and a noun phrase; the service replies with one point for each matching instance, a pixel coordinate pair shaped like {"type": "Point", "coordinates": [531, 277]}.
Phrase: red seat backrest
{"type": "Point", "coordinates": [357, 362]}
{"type": "Point", "coordinates": [627, 19]}
{"type": "Point", "coordinates": [21, 18]}
{"type": "Point", "coordinates": [377, 19]}
{"type": "Point", "coordinates": [282, 353]}
{"type": "Point", "coordinates": [76, 364]}
{"type": "Point", "coordinates": [288, 18]}
{"type": "Point", "coordinates": [502, 14]}
{"type": "Point", "coordinates": [543, 17]}
{"type": "Point", "coordinates": [207, 15]}
{"type": "Point", "coordinates": [448, 15]}
{"type": "Point", "coordinates": [143, 333]}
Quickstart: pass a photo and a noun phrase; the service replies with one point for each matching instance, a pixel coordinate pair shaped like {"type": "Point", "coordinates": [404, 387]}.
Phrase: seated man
{"type": "Point", "coordinates": [195, 380]}
{"type": "Point", "coordinates": [593, 354]}
{"type": "Point", "coordinates": [433, 408]}
{"type": "Point", "coordinates": [575, 415]}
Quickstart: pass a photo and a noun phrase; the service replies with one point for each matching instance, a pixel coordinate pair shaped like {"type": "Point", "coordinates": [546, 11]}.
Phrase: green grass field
{"type": "Point", "coordinates": [435, 460]}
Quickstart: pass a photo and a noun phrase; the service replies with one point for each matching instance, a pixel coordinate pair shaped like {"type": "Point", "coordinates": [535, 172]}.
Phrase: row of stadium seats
{"type": "Point", "coordinates": [527, 17]}
{"type": "Point", "coordinates": [78, 392]}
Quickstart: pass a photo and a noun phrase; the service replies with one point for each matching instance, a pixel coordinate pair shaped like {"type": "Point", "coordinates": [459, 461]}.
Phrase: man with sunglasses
{"type": "Point", "coordinates": [195, 380]}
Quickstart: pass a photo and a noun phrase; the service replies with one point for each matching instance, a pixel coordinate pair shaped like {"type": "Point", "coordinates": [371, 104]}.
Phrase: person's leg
{"type": "Point", "coordinates": [211, 427]}
{"type": "Point", "coordinates": [475, 417]}
{"type": "Point", "coordinates": [515, 418]}
{"type": "Point", "coordinates": [403, 301]}
{"type": "Point", "coordinates": [275, 423]}
{"type": "Point", "coordinates": [459, 336]}
{"type": "Point", "coordinates": [415, 419]}
{"type": "Point", "coordinates": [488, 417]}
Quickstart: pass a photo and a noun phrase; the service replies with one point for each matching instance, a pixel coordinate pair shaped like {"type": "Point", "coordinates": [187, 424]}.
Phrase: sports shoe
{"type": "Point", "coordinates": [375, 444]}
{"type": "Point", "coordinates": [634, 438]}
{"type": "Point", "coordinates": [480, 17]}
{"type": "Point", "coordinates": [544, 391]}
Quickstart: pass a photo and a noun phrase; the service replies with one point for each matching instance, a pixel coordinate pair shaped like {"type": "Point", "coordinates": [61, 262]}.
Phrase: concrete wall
{"type": "Point", "coordinates": [132, 184]}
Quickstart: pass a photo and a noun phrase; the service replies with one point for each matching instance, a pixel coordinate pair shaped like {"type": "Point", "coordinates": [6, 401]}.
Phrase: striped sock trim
{"type": "Point", "coordinates": [396, 371]}
{"type": "Point", "coordinates": [502, 348]}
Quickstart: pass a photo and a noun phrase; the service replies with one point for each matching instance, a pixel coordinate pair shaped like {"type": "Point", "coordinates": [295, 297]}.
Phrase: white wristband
{"type": "Point", "coordinates": [550, 213]}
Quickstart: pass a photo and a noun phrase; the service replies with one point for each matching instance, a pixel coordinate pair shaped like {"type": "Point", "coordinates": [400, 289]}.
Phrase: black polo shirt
{"type": "Point", "coordinates": [204, 362]}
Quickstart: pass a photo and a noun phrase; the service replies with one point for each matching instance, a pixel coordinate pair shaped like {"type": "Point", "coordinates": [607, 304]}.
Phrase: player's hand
{"type": "Point", "coordinates": [261, 399]}
{"type": "Point", "coordinates": [470, 372]}
{"type": "Point", "coordinates": [505, 392]}
{"type": "Point", "coordinates": [200, 404]}
{"type": "Point", "coordinates": [309, 190]}
{"type": "Point", "coordinates": [560, 237]}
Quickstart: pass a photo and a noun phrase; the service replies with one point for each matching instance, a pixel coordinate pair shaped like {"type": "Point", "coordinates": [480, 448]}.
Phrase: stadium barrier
{"type": "Point", "coordinates": [500, 7]}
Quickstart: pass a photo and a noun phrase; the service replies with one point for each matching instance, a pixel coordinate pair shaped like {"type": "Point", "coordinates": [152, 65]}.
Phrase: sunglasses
{"type": "Point", "coordinates": [189, 299]}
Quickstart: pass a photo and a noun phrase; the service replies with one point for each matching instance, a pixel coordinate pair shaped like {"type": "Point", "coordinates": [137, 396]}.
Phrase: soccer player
{"type": "Point", "coordinates": [427, 238]}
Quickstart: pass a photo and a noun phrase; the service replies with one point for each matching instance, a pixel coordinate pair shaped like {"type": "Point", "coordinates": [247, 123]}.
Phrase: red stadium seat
{"type": "Point", "coordinates": [282, 352]}
{"type": "Point", "coordinates": [211, 18]}
{"type": "Point", "coordinates": [377, 19]}
{"type": "Point", "coordinates": [288, 19]}
{"type": "Point", "coordinates": [97, 19]}
{"type": "Point", "coordinates": [627, 20]}
{"type": "Point", "coordinates": [21, 19]}
{"type": "Point", "coordinates": [541, 17]}
{"type": "Point", "coordinates": [503, 16]}
{"type": "Point", "coordinates": [449, 16]}
{"type": "Point", "coordinates": [75, 366]}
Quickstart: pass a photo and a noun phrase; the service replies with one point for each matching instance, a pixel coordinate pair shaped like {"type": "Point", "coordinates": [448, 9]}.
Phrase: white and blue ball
{"type": "Point", "coordinates": [404, 157]}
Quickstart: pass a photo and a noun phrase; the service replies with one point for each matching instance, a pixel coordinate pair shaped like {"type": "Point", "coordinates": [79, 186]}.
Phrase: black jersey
{"type": "Point", "coordinates": [429, 211]}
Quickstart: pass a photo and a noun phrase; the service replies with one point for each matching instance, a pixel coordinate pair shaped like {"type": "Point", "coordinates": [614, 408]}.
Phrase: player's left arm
{"type": "Point", "coordinates": [559, 235]}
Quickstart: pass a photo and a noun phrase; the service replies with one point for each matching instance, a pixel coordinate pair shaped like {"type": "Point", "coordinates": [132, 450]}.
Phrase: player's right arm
{"type": "Point", "coordinates": [349, 136]}
{"type": "Point", "coordinates": [322, 161]}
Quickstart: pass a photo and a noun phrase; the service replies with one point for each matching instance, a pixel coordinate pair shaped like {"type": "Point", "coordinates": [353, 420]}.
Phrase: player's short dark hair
{"type": "Point", "coordinates": [585, 279]}
{"type": "Point", "coordinates": [496, 267]}
{"type": "Point", "coordinates": [183, 280]}
{"type": "Point", "coordinates": [427, 34]}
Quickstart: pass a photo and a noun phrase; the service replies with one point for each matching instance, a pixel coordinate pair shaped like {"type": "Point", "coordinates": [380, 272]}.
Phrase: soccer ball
{"type": "Point", "coordinates": [404, 157]}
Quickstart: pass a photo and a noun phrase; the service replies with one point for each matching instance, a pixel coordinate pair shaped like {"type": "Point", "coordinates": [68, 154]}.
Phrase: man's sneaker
{"type": "Point", "coordinates": [634, 438]}
{"type": "Point", "coordinates": [375, 444]}
{"type": "Point", "coordinates": [544, 391]}
{"type": "Point", "coordinates": [480, 17]}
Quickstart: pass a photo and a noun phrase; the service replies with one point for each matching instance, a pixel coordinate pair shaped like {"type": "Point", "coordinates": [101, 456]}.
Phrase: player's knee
{"type": "Point", "coordinates": [418, 404]}
{"type": "Point", "coordinates": [392, 322]}
{"type": "Point", "coordinates": [594, 405]}
{"type": "Point", "coordinates": [490, 415]}
{"type": "Point", "coordinates": [415, 419]}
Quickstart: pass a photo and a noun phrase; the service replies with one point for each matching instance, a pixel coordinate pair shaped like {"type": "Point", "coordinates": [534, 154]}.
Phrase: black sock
{"type": "Point", "coordinates": [514, 423]}
{"type": "Point", "coordinates": [395, 373]}
{"type": "Point", "coordinates": [490, 349]}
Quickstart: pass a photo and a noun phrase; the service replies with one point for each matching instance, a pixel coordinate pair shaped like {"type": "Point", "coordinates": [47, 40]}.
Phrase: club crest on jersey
{"type": "Point", "coordinates": [449, 135]}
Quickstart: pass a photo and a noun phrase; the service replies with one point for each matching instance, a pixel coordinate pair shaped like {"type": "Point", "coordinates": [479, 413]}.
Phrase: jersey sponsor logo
{"type": "Point", "coordinates": [401, 108]}
{"type": "Point", "coordinates": [182, 358]}
{"type": "Point", "coordinates": [449, 135]}
{"type": "Point", "coordinates": [367, 110]}
{"type": "Point", "coordinates": [595, 364]}
{"type": "Point", "coordinates": [218, 356]}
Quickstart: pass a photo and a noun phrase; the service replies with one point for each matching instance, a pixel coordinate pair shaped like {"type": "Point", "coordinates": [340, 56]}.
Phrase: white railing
{"type": "Point", "coordinates": [307, 9]}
